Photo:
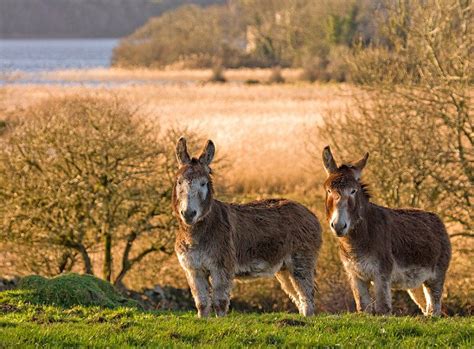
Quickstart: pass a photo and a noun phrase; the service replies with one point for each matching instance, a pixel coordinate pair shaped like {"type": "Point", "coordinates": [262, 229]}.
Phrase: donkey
{"type": "Point", "coordinates": [404, 249]}
{"type": "Point", "coordinates": [220, 241]}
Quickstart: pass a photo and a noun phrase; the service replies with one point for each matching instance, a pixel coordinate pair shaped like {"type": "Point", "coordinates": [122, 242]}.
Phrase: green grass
{"type": "Point", "coordinates": [73, 310]}
{"type": "Point", "coordinates": [32, 325]}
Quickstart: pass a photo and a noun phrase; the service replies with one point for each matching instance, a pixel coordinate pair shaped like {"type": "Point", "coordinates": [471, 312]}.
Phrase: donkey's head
{"type": "Point", "coordinates": [345, 193]}
{"type": "Point", "coordinates": [192, 194]}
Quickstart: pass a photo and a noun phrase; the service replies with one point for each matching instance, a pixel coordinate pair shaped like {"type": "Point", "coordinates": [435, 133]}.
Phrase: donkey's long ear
{"type": "Point", "coordinates": [359, 166]}
{"type": "Point", "coordinates": [207, 153]}
{"type": "Point", "coordinates": [182, 152]}
{"type": "Point", "coordinates": [328, 160]}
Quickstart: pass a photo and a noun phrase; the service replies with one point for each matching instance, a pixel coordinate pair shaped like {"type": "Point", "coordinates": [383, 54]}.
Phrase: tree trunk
{"type": "Point", "coordinates": [107, 269]}
{"type": "Point", "coordinates": [129, 263]}
{"type": "Point", "coordinates": [85, 259]}
{"type": "Point", "coordinates": [125, 258]}
{"type": "Point", "coordinates": [66, 262]}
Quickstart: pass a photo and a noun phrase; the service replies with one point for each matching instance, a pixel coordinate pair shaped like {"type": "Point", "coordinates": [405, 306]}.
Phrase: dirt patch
{"type": "Point", "coordinates": [8, 308]}
{"type": "Point", "coordinates": [291, 322]}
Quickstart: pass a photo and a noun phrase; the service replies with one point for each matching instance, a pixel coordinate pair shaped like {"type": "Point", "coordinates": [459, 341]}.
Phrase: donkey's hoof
{"type": "Point", "coordinates": [221, 307]}
{"type": "Point", "coordinates": [383, 310]}
{"type": "Point", "coordinates": [367, 309]}
{"type": "Point", "coordinates": [203, 311]}
{"type": "Point", "coordinates": [307, 312]}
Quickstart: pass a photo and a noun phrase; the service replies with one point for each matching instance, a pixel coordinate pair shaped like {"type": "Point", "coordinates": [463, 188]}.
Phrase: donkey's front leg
{"type": "Point", "coordinates": [383, 295]}
{"type": "Point", "coordinates": [221, 282]}
{"type": "Point", "coordinates": [360, 290]}
{"type": "Point", "coordinates": [199, 284]}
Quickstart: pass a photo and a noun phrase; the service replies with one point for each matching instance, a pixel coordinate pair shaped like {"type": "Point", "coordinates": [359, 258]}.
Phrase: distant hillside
{"type": "Point", "coordinates": [80, 18]}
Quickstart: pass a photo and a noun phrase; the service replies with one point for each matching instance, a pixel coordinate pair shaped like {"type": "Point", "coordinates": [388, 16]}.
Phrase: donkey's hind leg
{"type": "Point", "coordinates": [302, 277]}
{"type": "Point", "coordinates": [418, 296]}
{"type": "Point", "coordinates": [283, 276]}
{"type": "Point", "coordinates": [433, 289]}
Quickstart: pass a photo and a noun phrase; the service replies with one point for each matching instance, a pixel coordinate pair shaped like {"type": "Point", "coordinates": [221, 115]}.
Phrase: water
{"type": "Point", "coordinates": [54, 54]}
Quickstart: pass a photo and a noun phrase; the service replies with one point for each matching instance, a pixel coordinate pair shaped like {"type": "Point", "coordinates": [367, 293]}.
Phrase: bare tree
{"type": "Point", "coordinates": [86, 174]}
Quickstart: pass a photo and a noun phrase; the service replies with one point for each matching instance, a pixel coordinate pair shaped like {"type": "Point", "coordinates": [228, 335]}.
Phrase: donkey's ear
{"type": "Point", "coordinates": [359, 166]}
{"type": "Point", "coordinates": [182, 152]}
{"type": "Point", "coordinates": [328, 160]}
{"type": "Point", "coordinates": [207, 153]}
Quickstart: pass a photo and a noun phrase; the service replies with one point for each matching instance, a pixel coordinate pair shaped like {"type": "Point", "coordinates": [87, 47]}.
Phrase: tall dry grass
{"type": "Point", "coordinates": [261, 129]}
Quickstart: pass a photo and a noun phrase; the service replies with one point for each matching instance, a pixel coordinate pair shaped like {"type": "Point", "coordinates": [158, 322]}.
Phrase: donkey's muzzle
{"type": "Point", "coordinates": [339, 228]}
{"type": "Point", "coordinates": [188, 216]}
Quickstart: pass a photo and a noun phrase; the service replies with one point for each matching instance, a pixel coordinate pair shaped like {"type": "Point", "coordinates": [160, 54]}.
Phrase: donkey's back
{"type": "Point", "coordinates": [418, 238]}
{"type": "Point", "coordinates": [270, 234]}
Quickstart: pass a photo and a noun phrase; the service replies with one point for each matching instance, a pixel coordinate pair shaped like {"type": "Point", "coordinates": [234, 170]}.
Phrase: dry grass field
{"type": "Point", "coordinates": [263, 131]}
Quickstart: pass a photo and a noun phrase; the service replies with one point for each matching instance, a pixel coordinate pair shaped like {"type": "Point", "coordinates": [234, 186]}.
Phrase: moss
{"type": "Point", "coordinates": [67, 291]}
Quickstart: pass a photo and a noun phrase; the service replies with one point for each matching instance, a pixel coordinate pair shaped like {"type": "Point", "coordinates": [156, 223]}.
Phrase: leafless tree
{"type": "Point", "coordinates": [86, 174]}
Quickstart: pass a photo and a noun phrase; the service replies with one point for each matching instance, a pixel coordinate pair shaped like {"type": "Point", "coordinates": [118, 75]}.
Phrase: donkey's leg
{"type": "Point", "coordinates": [433, 289]}
{"type": "Point", "coordinates": [383, 295]}
{"type": "Point", "coordinates": [360, 290]}
{"type": "Point", "coordinates": [418, 297]}
{"type": "Point", "coordinates": [221, 282]}
{"type": "Point", "coordinates": [199, 284]}
{"type": "Point", "coordinates": [302, 278]}
{"type": "Point", "coordinates": [283, 276]}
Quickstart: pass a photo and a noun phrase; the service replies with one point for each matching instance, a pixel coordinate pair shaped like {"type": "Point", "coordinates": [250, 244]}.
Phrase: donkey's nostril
{"type": "Point", "coordinates": [345, 226]}
{"type": "Point", "coordinates": [192, 213]}
{"type": "Point", "coordinates": [332, 224]}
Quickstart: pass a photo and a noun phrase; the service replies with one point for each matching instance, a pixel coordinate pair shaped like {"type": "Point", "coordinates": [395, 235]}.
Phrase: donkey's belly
{"type": "Point", "coordinates": [257, 268]}
{"type": "Point", "coordinates": [410, 277]}
{"type": "Point", "coordinates": [365, 268]}
{"type": "Point", "coordinates": [401, 277]}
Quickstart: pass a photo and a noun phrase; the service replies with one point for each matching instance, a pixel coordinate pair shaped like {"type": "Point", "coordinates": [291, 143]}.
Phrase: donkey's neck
{"type": "Point", "coordinates": [203, 229]}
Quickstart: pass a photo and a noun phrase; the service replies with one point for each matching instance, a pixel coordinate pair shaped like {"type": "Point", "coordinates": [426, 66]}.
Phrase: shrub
{"type": "Point", "coordinates": [314, 69]}
{"type": "Point", "coordinates": [276, 77]}
{"type": "Point", "coordinates": [218, 74]}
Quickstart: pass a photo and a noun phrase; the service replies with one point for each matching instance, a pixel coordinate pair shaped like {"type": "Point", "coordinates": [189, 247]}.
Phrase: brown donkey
{"type": "Point", "coordinates": [219, 241]}
{"type": "Point", "coordinates": [392, 248]}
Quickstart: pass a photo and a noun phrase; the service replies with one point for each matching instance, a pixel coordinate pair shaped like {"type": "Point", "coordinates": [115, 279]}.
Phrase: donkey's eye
{"type": "Point", "coordinates": [329, 191]}
{"type": "Point", "coordinates": [353, 191]}
{"type": "Point", "coordinates": [203, 184]}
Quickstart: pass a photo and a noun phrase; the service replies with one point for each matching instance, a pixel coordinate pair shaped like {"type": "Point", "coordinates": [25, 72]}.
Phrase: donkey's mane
{"type": "Point", "coordinates": [344, 175]}
{"type": "Point", "coordinates": [365, 190]}
{"type": "Point", "coordinates": [195, 161]}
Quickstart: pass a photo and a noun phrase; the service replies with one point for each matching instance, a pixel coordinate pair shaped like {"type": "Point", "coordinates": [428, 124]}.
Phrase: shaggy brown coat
{"type": "Point", "coordinates": [392, 248]}
{"type": "Point", "coordinates": [262, 238]}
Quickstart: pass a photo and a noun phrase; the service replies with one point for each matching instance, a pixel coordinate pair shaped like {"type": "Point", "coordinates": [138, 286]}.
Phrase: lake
{"type": "Point", "coordinates": [55, 54]}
